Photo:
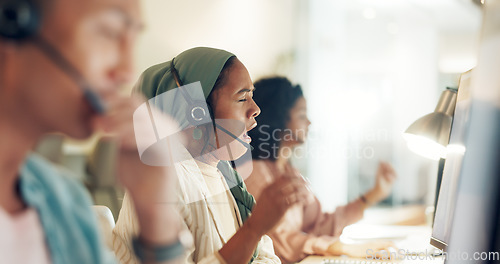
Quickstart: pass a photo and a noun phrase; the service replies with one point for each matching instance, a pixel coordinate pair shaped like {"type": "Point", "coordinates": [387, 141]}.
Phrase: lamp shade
{"type": "Point", "coordinates": [430, 134]}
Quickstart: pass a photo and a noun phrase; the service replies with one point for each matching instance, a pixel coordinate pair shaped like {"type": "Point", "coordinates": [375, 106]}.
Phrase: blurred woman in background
{"type": "Point", "coordinates": [305, 229]}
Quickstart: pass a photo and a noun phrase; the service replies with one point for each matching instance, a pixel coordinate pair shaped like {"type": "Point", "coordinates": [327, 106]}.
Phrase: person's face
{"type": "Point", "coordinates": [235, 110]}
{"type": "Point", "coordinates": [298, 124]}
{"type": "Point", "coordinates": [97, 37]}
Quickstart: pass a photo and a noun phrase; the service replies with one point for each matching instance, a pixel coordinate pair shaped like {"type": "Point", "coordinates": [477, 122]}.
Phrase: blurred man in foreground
{"type": "Point", "coordinates": [61, 64]}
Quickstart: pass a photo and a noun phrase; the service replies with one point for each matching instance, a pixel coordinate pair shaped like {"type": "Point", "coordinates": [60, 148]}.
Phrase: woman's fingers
{"type": "Point", "coordinates": [276, 199]}
{"type": "Point", "coordinates": [288, 188]}
{"type": "Point", "coordinates": [290, 185]}
{"type": "Point", "coordinates": [291, 172]}
{"type": "Point", "coordinates": [386, 171]}
{"type": "Point", "coordinates": [291, 191]}
{"type": "Point", "coordinates": [389, 170]}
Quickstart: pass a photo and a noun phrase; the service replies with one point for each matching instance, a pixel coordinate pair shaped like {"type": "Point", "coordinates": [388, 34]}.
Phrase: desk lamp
{"type": "Point", "coordinates": [430, 134]}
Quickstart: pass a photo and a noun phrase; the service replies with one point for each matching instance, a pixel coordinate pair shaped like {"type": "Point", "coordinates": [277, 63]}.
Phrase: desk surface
{"type": "Point", "coordinates": [409, 239]}
{"type": "Point", "coordinates": [402, 215]}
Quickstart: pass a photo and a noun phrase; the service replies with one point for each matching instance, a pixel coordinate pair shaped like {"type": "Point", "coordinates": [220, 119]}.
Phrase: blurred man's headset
{"type": "Point", "coordinates": [198, 112]}
{"type": "Point", "coordinates": [20, 20]}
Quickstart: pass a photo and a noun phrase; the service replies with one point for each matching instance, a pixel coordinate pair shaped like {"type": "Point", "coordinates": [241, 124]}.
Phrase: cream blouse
{"type": "Point", "coordinates": [221, 198]}
{"type": "Point", "coordinates": [211, 220]}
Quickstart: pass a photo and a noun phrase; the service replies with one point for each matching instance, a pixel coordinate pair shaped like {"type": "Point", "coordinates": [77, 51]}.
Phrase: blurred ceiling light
{"type": "Point", "coordinates": [369, 13]}
{"type": "Point", "coordinates": [429, 135]}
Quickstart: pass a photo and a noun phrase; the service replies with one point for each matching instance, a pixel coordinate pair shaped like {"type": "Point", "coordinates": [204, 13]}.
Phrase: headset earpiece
{"type": "Point", "coordinates": [197, 113]}
{"type": "Point", "coordinates": [19, 19]}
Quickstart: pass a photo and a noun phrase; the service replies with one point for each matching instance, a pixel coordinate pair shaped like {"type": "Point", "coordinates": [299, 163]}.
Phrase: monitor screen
{"type": "Point", "coordinates": [455, 152]}
{"type": "Point", "coordinates": [476, 222]}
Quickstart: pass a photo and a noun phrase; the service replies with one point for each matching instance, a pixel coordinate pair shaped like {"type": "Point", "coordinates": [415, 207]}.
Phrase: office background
{"type": "Point", "coordinates": [368, 69]}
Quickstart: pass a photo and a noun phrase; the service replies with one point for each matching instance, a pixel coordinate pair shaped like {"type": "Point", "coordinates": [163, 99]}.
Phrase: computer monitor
{"type": "Point", "coordinates": [475, 235]}
{"type": "Point", "coordinates": [455, 152]}
{"type": "Point", "coordinates": [476, 222]}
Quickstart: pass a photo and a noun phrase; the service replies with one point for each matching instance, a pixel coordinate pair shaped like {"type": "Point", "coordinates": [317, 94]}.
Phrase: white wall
{"type": "Point", "coordinates": [261, 33]}
{"type": "Point", "coordinates": [374, 68]}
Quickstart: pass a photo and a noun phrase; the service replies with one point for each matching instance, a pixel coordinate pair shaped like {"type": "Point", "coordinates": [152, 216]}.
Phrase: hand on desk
{"type": "Point", "coordinates": [370, 249]}
{"type": "Point", "coordinates": [384, 182]}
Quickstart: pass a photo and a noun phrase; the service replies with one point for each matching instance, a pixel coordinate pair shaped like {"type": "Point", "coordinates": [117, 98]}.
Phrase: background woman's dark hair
{"type": "Point", "coordinates": [275, 96]}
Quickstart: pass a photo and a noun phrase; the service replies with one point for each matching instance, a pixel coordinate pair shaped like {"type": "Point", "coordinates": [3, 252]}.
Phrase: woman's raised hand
{"type": "Point", "coordinates": [384, 181]}
{"type": "Point", "coordinates": [275, 200]}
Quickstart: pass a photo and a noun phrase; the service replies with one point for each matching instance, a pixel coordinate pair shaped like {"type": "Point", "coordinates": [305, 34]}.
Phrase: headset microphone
{"type": "Point", "coordinates": [20, 21]}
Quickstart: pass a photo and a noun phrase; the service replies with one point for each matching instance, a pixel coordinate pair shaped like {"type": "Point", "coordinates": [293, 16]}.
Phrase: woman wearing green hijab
{"type": "Point", "coordinates": [214, 202]}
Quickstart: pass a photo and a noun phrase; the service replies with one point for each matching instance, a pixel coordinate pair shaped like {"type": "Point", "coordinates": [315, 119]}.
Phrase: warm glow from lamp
{"type": "Point", "coordinates": [430, 134]}
{"type": "Point", "coordinates": [456, 149]}
{"type": "Point", "coordinates": [425, 147]}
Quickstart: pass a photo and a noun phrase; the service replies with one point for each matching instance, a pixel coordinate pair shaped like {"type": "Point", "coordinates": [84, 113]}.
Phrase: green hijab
{"type": "Point", "coordinates": [194, 65]}
{"type": "Point", "coordinates": [202, 65]}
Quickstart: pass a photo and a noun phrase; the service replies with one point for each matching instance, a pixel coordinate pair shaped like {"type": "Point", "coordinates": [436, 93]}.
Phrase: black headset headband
{"type": "Point", "coordinates": [20, 20]}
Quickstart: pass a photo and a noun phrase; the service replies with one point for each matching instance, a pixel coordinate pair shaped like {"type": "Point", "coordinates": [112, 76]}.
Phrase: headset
{"type": "Point", "coordinates": [198, 112]}
{"type": "Point", "coordinates": [20, 21]}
